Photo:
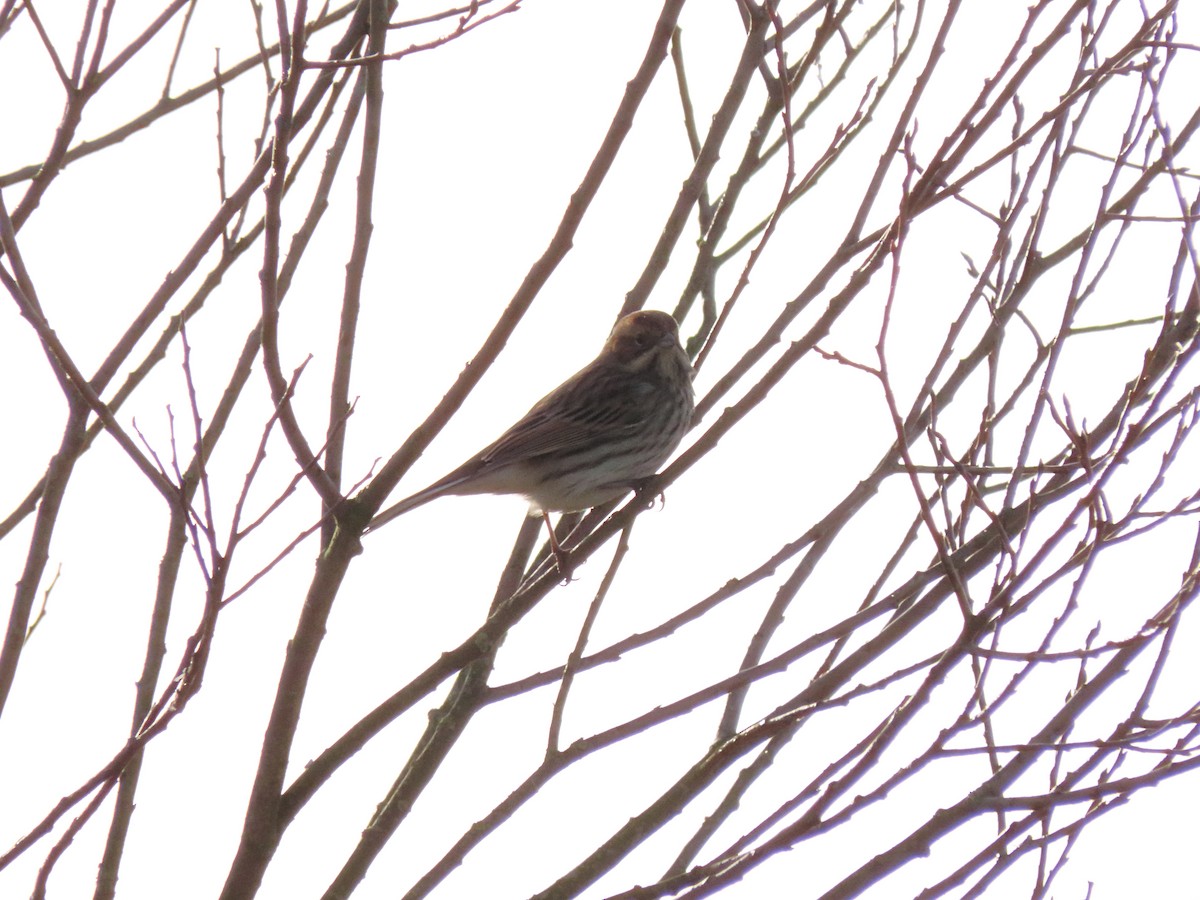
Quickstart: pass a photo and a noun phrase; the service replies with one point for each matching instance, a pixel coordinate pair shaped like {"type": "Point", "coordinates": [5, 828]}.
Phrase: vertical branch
{"type": "Point", "coordinates": [693, 188]}
{"type": "Point", "coordinates": [339, 400]}
{"type": "Point", "coordinates": [585, 630]}
{"type": "Point", "coordinates": [445, 728]}
{"type": "Point", "coordinates": [292, 50]}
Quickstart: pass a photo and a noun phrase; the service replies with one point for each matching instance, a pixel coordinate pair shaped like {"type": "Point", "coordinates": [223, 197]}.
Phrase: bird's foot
{"type": "Point", "coordinates": [566, 566]}
{"type": "Point", "coordinates": [646, 493]}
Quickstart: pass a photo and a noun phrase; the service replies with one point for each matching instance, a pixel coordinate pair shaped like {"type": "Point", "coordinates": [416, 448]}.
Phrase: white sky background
{"type": "Point", "coordinates": [484, 141]}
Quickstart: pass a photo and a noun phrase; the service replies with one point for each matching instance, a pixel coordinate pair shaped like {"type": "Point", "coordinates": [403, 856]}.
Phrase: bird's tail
{"type": "Point", "coordinates": [420, 498]}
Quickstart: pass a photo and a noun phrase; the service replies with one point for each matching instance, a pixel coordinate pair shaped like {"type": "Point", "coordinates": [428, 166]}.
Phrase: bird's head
{"type": "Point", "coordinates": [647, 341]}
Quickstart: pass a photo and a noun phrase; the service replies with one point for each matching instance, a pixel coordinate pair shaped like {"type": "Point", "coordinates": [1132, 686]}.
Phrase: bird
{"type": "Point", "coordinates": [599, 434]}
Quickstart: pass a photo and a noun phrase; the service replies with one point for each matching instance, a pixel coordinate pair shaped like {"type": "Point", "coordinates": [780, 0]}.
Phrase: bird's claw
{"type": "Point", "coordinates": [566, 567]}
{"type": "Point", "coordinates": [647, 495]}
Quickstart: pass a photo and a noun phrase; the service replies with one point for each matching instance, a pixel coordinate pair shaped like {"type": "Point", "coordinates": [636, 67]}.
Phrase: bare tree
{"type": "Point", "coordinates": [916, 607]}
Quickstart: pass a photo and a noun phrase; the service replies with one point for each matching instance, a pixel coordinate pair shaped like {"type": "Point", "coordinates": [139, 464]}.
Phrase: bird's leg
{"type": "Point", "coordinates": [565, 566]}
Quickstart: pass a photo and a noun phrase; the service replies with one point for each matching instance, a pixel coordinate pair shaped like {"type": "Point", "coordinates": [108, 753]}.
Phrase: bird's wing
{"type": "Point", "coordinates": [594, 405]}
